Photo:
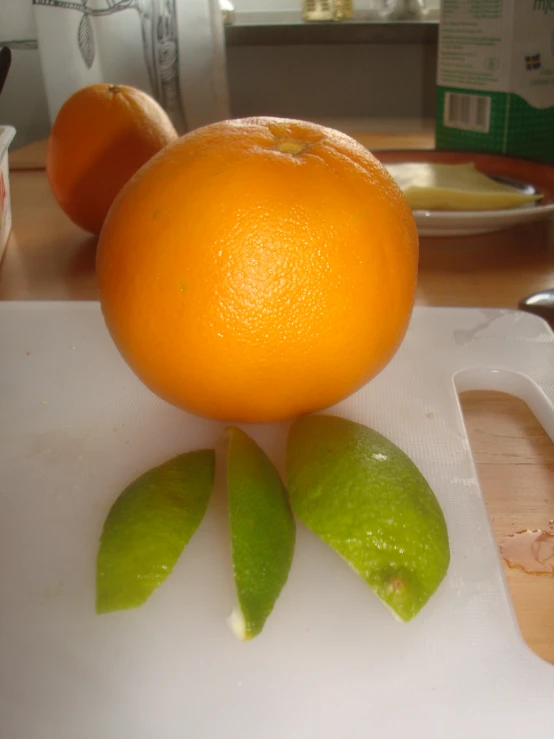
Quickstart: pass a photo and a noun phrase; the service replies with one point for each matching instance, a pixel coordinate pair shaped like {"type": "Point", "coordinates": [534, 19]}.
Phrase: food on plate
{"type": "Point", "coordinates": [366, 499]}
{"type": "Point", "coordinates": [101, 136]}
{"type": "Point", "coordinates": [430, 186]}
{"type": "Point", "coordinates": [258, 269]}
{"type": "Point", "coordinates": [263, 533]}
{"type": "Point", "coordinates": [148, 527]}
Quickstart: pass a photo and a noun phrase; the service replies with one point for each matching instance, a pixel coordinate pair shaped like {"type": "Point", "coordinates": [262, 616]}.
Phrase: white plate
{"type": "Point", "coordinates": [529, 175]}
{"type": "Point", "coordinates": [473, 222]}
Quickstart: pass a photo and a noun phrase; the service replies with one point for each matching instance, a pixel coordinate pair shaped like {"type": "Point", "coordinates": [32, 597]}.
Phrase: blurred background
{"type": "Point", "coordinates": [364, 63]}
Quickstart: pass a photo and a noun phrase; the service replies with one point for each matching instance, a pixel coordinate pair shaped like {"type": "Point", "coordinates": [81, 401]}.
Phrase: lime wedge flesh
{"type": "Point", "coordinates": [263, 533]}
{"type": "Point", "coordinates": [365, 498]}
{"type": "Point", "coordinates": [148, 527]}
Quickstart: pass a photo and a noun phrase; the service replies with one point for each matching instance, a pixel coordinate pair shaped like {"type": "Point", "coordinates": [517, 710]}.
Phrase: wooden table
{"type": "Point", "coordinates": [48, 258]}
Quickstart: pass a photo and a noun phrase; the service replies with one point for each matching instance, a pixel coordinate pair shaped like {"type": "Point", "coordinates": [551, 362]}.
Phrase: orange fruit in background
{"type": "Point", "coordinates": [101, 136]}
{"type": "Point", "coordinates": [258, 269]}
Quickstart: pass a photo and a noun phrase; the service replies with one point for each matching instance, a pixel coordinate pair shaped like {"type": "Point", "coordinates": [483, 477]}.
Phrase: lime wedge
{"type": "Point", "coordinates": [263, 533]}
{"type": "Point", "coordinates": [367, 500]}
{"type": "Point", "coordinates": [148, 527]}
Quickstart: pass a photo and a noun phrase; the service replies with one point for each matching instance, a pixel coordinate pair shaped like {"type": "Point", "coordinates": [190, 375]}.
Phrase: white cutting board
{"type": "Point", "coordinates": [76, 426]}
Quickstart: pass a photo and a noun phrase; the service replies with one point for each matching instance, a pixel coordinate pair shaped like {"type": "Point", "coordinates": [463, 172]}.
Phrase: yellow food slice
{"type": "Point", "coordinates": [430, 186]}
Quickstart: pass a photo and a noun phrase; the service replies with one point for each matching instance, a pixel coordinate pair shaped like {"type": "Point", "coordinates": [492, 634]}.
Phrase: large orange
{"type": "Point", "coordinates": [101, 136]}
{"type": "Point", "coordinates": [258, 269]}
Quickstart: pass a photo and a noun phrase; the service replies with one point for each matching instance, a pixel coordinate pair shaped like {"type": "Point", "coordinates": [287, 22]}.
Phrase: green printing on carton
{"type": "Point", "coordinates": [496, 77]}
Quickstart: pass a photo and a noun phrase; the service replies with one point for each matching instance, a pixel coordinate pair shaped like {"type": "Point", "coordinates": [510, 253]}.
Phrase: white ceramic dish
{"type": "Point", "coordinates": [473, 222]}
{"type": "Point", "coordinates": [525, 174]}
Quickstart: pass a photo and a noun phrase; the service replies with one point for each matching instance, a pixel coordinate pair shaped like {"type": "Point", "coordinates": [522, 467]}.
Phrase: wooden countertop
{"type": "Point", "coordinates": [48, 258]}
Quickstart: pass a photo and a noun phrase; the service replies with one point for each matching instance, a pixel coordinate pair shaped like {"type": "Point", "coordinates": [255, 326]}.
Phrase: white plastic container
{"type": "Point", "coordinates": [6, 135]}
